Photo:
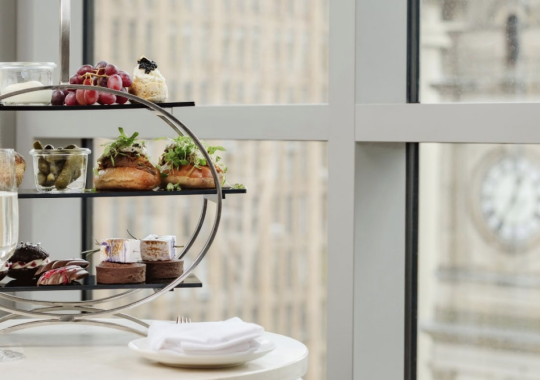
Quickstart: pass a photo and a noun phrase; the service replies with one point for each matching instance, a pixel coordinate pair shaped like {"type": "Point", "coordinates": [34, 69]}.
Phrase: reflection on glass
{"type": "Point", "coordinates": [252, 44]}
{"type": "Point", "coordinates": [479, 278]}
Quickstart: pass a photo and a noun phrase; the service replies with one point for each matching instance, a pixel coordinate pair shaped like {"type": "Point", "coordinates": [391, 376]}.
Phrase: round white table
{"type": "Point", "coordinates": [86, 353]}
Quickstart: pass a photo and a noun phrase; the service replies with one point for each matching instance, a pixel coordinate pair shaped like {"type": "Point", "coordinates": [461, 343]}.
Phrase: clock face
{"type": "Point", "coordinates": [510, 200]}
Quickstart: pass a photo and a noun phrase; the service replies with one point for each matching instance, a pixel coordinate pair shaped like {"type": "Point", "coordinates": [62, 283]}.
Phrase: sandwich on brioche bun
{"type": "Point", "coordinates": [184, 166]}
{"type": "Point", "coordinates": [124, 165]}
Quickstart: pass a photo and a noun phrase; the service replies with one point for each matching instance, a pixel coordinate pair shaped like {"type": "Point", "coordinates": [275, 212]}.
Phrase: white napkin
{"type": "Point", "coordinates": [205, 338]}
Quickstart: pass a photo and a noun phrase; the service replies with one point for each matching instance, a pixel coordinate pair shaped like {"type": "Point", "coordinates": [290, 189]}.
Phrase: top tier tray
{"type": "Point", "coordinates": [93, 107]}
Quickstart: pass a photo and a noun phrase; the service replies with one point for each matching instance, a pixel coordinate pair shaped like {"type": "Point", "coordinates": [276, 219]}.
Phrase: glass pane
{"type": "Point", "coordinates": [479, 279]}
{"type": "Point", "coordinates": [479, 51]}
{"type": "Point", "coordinates": [268, 262]}
{"type": "Point", "coordinates": [222, 51]}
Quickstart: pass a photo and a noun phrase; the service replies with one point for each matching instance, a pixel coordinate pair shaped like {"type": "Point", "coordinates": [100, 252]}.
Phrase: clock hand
{"type": "Point", "coordinates": [513, 199]}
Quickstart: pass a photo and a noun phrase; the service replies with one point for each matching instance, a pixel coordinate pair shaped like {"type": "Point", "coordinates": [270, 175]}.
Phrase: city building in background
{"type": "Point", "coordinates": [479, 204]}
{"type": "Point", "coordinates": [268, 262]}
{"type": "Point", "coordinates": [222, 51]}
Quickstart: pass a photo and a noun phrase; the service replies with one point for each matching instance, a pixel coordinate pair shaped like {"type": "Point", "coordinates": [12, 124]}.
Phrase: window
{"type": "Point", "coordinates": [259, 49]}
{"type": "Point", "coordinates": [261, 242]}
{"type": "Point", "coordinates": [479, 53]}
{"type": "Point", "coordinates": [479, 260]}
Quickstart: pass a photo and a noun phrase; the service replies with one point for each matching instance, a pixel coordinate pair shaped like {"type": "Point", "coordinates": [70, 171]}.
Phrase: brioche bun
{"type": "Point", "coordinates": [20, 164]}
{"type": "Point", "coordinates": [126, 178]}
{"type": "Point", "coordinates": [189, 177]}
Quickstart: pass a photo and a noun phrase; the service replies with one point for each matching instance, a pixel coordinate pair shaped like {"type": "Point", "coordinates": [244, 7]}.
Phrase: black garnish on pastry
{"type": "Point", "coordinates": [147, 65]}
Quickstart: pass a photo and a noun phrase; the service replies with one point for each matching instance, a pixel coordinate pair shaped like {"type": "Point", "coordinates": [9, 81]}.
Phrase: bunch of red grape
{"type": "Point", "coordinates": [103, 74]}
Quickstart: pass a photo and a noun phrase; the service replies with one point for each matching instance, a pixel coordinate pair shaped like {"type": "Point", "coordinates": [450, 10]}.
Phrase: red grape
{"type": "Point", "coordinates": [101, 65]}
{"type": "Point", "coordinates": [126, 79]}
{"type": "Point", "coordinates": [57, 98]}
{"type": "Point", "coordinates": [71, 99]}
{"type": "Point", "coordinates": [103, 82]}
{"type": "Point", "coordinates": [115, 82]}
{"type": "Point", "coordinates": [100, 72]}
{"type": "Point", "coordinates": [85, 69]}
{"type": "Point", "coordinates": [80, 97]}
{"type": "Point", "coordinates": [111, 69]}
{"type": "Point", "coordinates": [75, 79]}
{"type": "Point", "coordinates": [121, 99]}
{"type": "Point", "coordinates": [90, 96]}
{"type": "Point", "coordinates": [106, 98]}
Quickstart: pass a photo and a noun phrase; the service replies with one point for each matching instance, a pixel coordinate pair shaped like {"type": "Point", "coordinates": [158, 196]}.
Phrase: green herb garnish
{"type": "Point", "coordinates": [173, 187]}
{"type": "Point", "coordinates": [184, 151]}
{"type": "Point", "coordinates": [238, 186]}
{"type": "Point", "coordinates": [115, 148]}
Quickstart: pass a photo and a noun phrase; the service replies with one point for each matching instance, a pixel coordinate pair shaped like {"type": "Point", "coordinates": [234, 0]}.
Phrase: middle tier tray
{"type": "Point", "coordinates": [32, 193]}
{"type": "Point", "coordinates": [89, 283]}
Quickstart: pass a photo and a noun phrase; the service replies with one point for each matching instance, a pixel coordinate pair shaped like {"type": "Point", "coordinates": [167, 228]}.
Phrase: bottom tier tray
{"type": "Point", "coordinates": [90, 284]}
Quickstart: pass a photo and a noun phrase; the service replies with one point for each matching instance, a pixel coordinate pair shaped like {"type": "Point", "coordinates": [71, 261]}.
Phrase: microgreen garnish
{"type": "Point", "coordinates": [115, 148]}
{"type": "Point", "coordinates": [184, 151]}
{"type": "Point", "coordinates": [238, 186]}
{"type": "Point", "coordinates": [173, 187]}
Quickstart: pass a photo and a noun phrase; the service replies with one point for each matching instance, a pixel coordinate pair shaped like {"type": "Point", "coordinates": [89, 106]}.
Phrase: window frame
{"type": "Point", "coordinates": [371, 130]}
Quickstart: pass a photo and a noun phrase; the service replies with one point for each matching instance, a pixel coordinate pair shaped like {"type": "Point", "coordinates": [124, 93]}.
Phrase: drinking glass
{"type": "Point", "coordinates": [9, 221]}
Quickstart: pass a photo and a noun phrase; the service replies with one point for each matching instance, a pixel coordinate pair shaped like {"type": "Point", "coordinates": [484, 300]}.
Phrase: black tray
{"type": "Point", "coordinates": [93, 107]}
{"type": "Point", "coordinates": [32, 193]}
{"type": "Point", "coordinates": [89, 283]}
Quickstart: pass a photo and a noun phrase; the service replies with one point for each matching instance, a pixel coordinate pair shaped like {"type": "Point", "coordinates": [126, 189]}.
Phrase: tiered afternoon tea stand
{"type": "Point", "coordinates": [87, 311]}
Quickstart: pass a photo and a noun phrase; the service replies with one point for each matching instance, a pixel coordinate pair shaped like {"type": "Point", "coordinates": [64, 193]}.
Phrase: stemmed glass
{"type": "Point", "coordinates": [9, 221]}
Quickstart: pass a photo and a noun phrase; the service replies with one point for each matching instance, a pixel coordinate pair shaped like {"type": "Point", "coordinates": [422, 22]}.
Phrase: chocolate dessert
{"type": "Point", "coordinates": [27, 260]}
{"type": "Point", "coordinates": [119, 273]}
{"type": "Point", "coordinates": [56, 264]}
{"type": "Point", "coordinates": [4, 271]}
{"type": "Point", "coordinates": [170, 269]}
{"type": "Point", "coordinates": [62, 276]}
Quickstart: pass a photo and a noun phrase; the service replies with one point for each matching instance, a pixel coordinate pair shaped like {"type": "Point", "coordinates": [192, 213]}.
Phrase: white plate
{"type": "Point", "coordinates": [141, 347]}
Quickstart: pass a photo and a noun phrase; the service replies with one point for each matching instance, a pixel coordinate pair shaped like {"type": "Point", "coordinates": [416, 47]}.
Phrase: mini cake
{"type": "Point", "coordinates": [148, 83]}
{"type": "Point", "coordinates": [4, 271]}
{"type": "Point", "coordinates": [116, 273]}
{"type": "Point", "coordinates": [27, 260]}
{"type": "Point", "coordinates": [120, 262]}
{"type": "Point", "coordinates": [62, 276]}
{"type": "Point", "coordinates": [158, 254]}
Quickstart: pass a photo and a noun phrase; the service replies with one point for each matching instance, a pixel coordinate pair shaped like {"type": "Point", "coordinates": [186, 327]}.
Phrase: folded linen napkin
{"type": "Point", "coordinates": [205, 338]}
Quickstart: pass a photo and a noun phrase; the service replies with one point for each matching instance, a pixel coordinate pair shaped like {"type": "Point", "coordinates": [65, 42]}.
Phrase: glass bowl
{"type": "Point", "coordinates": [60, 170]}
{"type": "Point", "coordinates": [16, 76]}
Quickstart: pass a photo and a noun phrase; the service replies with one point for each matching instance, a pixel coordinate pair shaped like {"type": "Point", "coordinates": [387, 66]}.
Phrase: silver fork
{"type": "Point", "coordinates": [181, 319]}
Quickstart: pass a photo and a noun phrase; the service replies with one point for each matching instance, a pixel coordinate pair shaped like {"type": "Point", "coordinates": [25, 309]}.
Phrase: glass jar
{"type": "Point", "coordinates": [15, 76]}
{"type": "Point", "coordinates": [60, 170]}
